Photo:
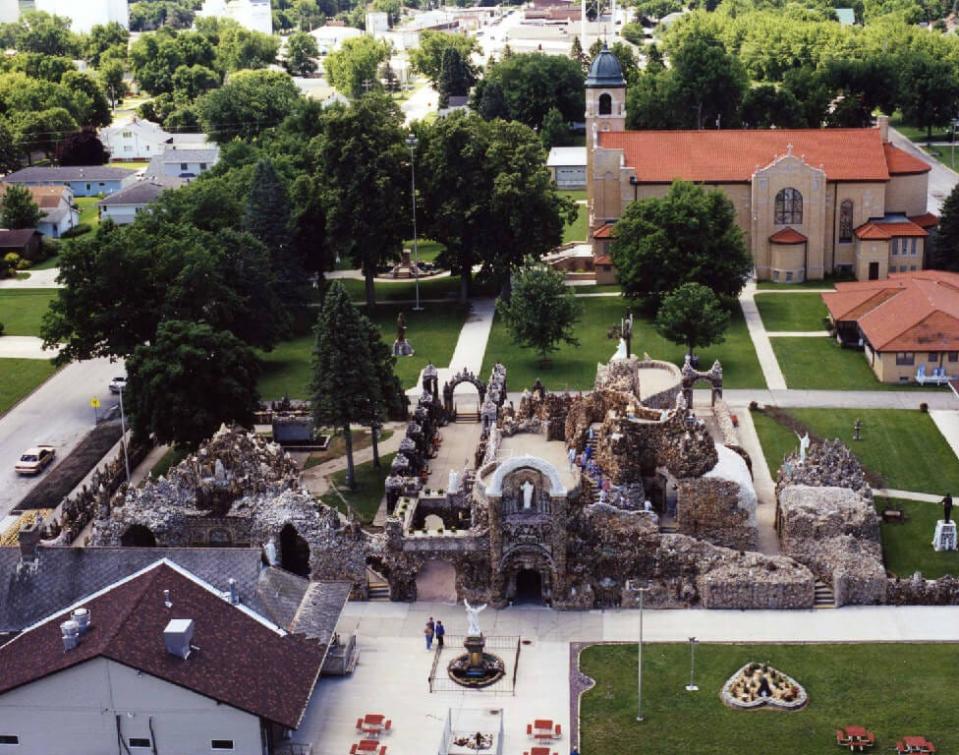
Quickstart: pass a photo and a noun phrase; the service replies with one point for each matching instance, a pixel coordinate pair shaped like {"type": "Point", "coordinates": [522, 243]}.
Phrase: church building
{"type": "Point", "coordinates": [809, 201]}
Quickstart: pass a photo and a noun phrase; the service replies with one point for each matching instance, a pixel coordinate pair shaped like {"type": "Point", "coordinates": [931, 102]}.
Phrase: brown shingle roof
{"type": "Point", "coordinates": [242, 661]}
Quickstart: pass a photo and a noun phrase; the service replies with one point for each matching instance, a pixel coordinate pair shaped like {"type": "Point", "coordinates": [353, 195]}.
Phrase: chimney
{"type": "Point", "coordinates": [82, 617]}
{"type": "Point", "coordinates": [177, 637]}
{"type": "Point", "coordinates": [882, 123]}
{"type": "Point", "coordinates": [70, 634]}
{"type": "Point", "coordinates": [166, 599]}
{"type": "Point", "coordinates": [29, 538]}
{"type": "Point", "coordinates": [234, 595]}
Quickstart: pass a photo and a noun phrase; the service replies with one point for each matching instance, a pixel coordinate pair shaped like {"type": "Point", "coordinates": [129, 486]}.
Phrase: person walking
{"type": "Point", "coordinates": [440, 633]}
{"type": "Point", "coordinates": [428, 636]}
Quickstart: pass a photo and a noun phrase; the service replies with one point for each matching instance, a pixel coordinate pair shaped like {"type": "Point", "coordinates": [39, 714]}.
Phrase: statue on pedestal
{"type": "Point", "coordinates": [401, 347]}
{"type": "Point", "coordinates": [472, 617]}
{"type": "Point", "coordinates": [946, 508]}
{"type": "Point", "coordinates": [803, 446]}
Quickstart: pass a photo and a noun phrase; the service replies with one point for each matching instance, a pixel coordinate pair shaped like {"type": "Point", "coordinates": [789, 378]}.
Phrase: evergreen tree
{"type": "Point", "coordinates": [577, 54]}
{"type": "Point", "coordinates": [346, 386]}
{"type": "Point", "coordinates": [692, 315]}
{"type": "Point", "coordinates": [943, 253]}
{"type": "Point", "coordinates": [492, 103]}
{"type": "Point", "coordinates": [456, 76]}
{"type": "Point", "coordinates": [19, 209]}
{"type": "Point", "coordinates": [392, 397]}
{"type": "Point", "coordinates": [267, 218]}
{"type": "Point", "coordinates": [555, 131]}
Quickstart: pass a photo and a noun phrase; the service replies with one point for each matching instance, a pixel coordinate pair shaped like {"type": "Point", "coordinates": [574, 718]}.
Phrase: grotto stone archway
{"type": "Point", "coordinates": [294, 551]}
{"type": "Point", "coordinates": [463, 376]}
{"type": "Point", "coordinates": [515, 463]}
{"type": "Point", "coordinates": [691, 376]}
{"type": "Point", "coordinates": [138, 536]}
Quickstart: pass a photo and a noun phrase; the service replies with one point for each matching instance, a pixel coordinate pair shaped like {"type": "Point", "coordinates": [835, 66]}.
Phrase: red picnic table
{"type": "Point", "coordinates": [368, 746]}
{"type": "Point", "coordinates": [543, 729]}
{"type": "Point", "coordinates": [915, 744]}
{"type": "Point", "coordinates": [855, 738]}
{"type": "Point", "coordinates": [539, 751]}
{"type": "Point", "coordinates": [373, 724]}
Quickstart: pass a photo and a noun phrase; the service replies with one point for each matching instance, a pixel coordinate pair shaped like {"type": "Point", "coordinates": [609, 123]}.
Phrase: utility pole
{"type": "Point", "coordinates": [411, 142]}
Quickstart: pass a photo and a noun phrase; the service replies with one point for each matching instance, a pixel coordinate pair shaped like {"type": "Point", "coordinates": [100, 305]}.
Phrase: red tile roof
{"type": "Point", "coordinates": [788, 236]}
{"type": "Point", "coordinates": [603, 259]}
{"type": "Point", "coordinates": [901, 163]}
{"type": "Point", "coordinates": [605, 231]}
{"type": "Point", "coordinates": [242, 661]}
{"type": "Point", "coordinates": [878, 230]}
{"type": "Point", "coordinates": [907, 312]}
{"type": "Point", "coordinates": [731, 155]}
{"type": "Point", "coordinates": [926, 220]}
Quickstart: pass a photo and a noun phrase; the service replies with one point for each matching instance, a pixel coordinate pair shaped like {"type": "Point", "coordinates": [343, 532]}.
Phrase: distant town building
{"type": "Point", "coordinates": [846, 16]}
{"type": "Point", "coordinates": [183, 162]}
{"type": "Point", "coordinates": [140, 139]}
{"type": "Point", "coordinates": [254, 15]}
{"type": "Point", "coordinates": [124, 206]}
{"type": "Point", "coordinates": [86, 181]}
{"type": "Point", "coordinates": [377, 22]}
{"type": "Point", "coordinates": [568, 166]}
{"type": "Point", "coordinates": [9, 11]}
{"type": "Point", "coordinates": [85, 14]}
{"type": "Point", "coordinates": [330, 36]}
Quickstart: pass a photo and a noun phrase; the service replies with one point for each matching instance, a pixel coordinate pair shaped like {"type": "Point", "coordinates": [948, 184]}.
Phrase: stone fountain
{"type": "Point", "coordinates": [476, 668]}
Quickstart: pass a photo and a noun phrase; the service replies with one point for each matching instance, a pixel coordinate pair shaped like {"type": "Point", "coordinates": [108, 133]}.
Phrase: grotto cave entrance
{"type": "Point", "coordinates": [138, 536]}
{"type": "Point", "coordinates": [294, 551]}
{"type": "Point", "coordinates": [529, 587]}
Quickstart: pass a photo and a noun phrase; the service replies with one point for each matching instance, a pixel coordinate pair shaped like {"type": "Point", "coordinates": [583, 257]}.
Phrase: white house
{"type": "Point", "coordinates": [124, 206]}
{"type": "Point", "coordinates": [254, 15]}
{"type": "Point", "coordinates": [377, 22]}
{"type": "Point", "coordinates": [9, 11]}
{"type": "Point", "coordinates": [329, 38]}
{"type": "Point", "coordinates": [57, 205]}
{"type": "Point", "coordinates": [140, 139]}
{"type": "Point", "coordinates": [158, 661]}
{"type": "Point", "coordinates": [85, 14]}
{"type": "Point", "coordinates": [183, 162]}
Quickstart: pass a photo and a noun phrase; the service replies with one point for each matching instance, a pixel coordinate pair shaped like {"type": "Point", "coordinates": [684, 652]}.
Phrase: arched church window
{"type": "Point", "coordinates": [605, 104]}
{"type": "Point", "coordinates": [788, 207]}
{"type": "Point", "coordinates": [845, 220]}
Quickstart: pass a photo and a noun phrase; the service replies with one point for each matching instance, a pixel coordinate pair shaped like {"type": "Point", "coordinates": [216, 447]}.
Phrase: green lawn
{"type": "Point", "coordinates": [48, 263]}
{"type": "Point", "coordinates": [771, 286]}
{"type": "Point", "coordinates": [89, 214]}
{"type": "Point", "coordinates": [577, 230]}
{"type": "Point", "coordinates": [173, 456]}
{"type": "Point", "coordinates": [907, 546]}
{"type": "Point", "coordinates": [606, 288]}
{"type": "Point", "coordinates": [19, 377]}
{"type": "Point", "coordinates": [577, 195]}
{"type": "Point", "coordinates": [917, 134]}
{"type": "Point", "coordinates": [428, 251]}
{"type": "Point", "coordinates": [365, 500]}
{"type": "Point", "coordinates": [129, 165]}
{"type": "Point", "coordinates": [387, 291]}
{"type": "Point", "coordinates": [893, 689]}
{"type": "Point", "coordinates": [432, 332]}
{"type": "Point", "coordinates": [791, 311]}
{"type": "Point", "coordinates": [902, 446]}
{"type": "Point", "coordinates": [574, 367]}
{"type": "Point", "coordinates": [22, 309]}
{"type": "Point", "coordinates": [946, 155]}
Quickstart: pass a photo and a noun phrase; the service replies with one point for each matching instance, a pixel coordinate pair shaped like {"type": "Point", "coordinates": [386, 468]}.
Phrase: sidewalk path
{"type": "Point", "coordinates": [764, 484]}
{"type": "Point", "coordinates": [315, 479]}
{"type": "Point", "coordinates": [797, 333]}
{"type": "Point", "coordinates": [757, 332]}
{"type": "Point", "coordinates": [948, 424]}
{"type": "Point", "coordinates": [840, 399]}
{"type": "Point", "coordinates": [37, 279]}
{"type": "Point", "coordinates": [24, 347]}
{"type": "Point", "coordinates": [907, 495]}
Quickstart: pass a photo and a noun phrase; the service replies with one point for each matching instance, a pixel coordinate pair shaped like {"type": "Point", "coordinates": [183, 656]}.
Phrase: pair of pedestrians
{"type": "Point", "coordinates": [431, 630]}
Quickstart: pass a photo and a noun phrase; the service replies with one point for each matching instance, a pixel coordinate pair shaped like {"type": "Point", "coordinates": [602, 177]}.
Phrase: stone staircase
{"type": "Point", "coordinates": [467, 418]}
{"type": "Point", "coordinates": [824, 597]}
{"type": "Point", "coordinates": [378, 587]}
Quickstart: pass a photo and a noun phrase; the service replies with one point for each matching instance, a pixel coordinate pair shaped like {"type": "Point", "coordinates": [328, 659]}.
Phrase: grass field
{"type": "Point", "coordinates": [946, 155]}
{"type": "Point", "coordinates": [433, 333]}
{"type": "Point", "coordinates": [365, 500]}
{"type": "Point", "coordinates": [129, 165]}
{"type": "Point", "coordinates": [22, 309]}
{"type": "Point", "coordinates": [19, 377]}
{"type": "Point", "coordinates": [577, 195]}
{"type": "Point", "coordinates": [48, 263]}
{"type": "Point", "coordinates": [387, 291]}
{"type": "Point", "coordinates": [89, 214]}
{"type": "Point", "coordinates": [792, 311]}
{"type": "Point", "coordinates": [574, 367]}
{"type": "Point", "coordinates": [170, 459]}
{"type": "Point", "coordinates": [906, 546]}
{"type": "Point", "coordinates": [577, 230]}
{"type": "Point", "coordinates": [361, 439]}
{"type": "Point", "coordinates": [771, 286]}
{"type": "Point", "coordinates": [917, 134]}
{"type": "Point", "coordinates": [903, 447]}
{"type": "Point", "coordinates": [892, 689]}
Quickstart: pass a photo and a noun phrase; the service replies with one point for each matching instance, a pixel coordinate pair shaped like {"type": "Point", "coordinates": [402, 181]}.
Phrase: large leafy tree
{"type": "Point", "coordinates": [41, 32]}
{"type": "Point", "coordinates": [346, 387]}
{"type": "Point", "coordinates": [82, 148]}
{"type": "Point", "coordinates": [427, 59]}
{"type": "Point", "coordinates": [249, 103]}
{"type": "Point", "coordinates": [707, 83]}
{"type": "Point", "coordinates": [765, 106]}
{"type": "Point", "coordinates": [352, 68]}
{"type": "Point", "coordinates": [18, 208]}
{"type": "Point", "coordinates": [456, 76]}
{"type": "Point", "coordinates": [87, 89]}
{"type": "Point", "coordinates": [943, 246]}
{"type": "Point", "coordinates": [103, 37]}
{"type": "Point", "coordinates": [188, 381]}
{"type": "Point", "coordinates": [929, 93]}
{"type": "Point", "coordinates": [301, 54]}
{"type": "Point", "coordinates": [240, 49]}
{"type": "Point", "coordinates": [267, 217]}
{"type": "Point", "coordinates": [111, 78]}
{"type": "Point", "coordinates": [688, 236]}
{"type": "Point", "coordinates": [693, 316]}
{"type": "Point", "coordinates": [362, 161]}
{"type": "Point", "coordinates": [541, 310]}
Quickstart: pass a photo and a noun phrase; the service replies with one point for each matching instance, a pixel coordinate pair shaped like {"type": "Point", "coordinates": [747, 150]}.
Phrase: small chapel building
{"type": "Point", "coordinates": [809, 201]}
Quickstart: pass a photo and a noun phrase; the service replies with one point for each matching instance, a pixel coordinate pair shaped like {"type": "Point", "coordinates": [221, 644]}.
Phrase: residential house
{"type": "Point", "coordinates": [805, 199]}
{"type": "Point", "coordinates": [9, 11]}
{"type": "Point", "coordinates": [140, 139]}
{"type": "Point", "coordinates": [22, 241]}
{"type": "Point", "coordinates": [568, 167]}
{"type": "Point", "coordinates": [89, 181]}
{"type": "Point", "coordinates": [57, 205]}
{"type": "Point", "coordinates": [254, 15]}
{"type": "Point", "coordinates": [907, 324]}
{"type": "Point", "coordinates": [123, 207]}
{"type": "Point", "coordinates": [159, 660]}
{"type": "Point", "coordinates": [330, 37]}
{"type": "Point", "coordinates": [186, 162]}
{"type": "Point", "coordinates": [85, 14]}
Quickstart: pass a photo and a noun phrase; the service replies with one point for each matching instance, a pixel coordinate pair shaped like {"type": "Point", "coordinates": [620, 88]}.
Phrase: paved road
{"type": "Point", "coordinates": [941, 179]}
{"type": "Point", "coordinates": [37, 279]}
{"type": "Point", "coordinates": [421, 104]}
{"type": "Point", "coordinates": [58, 413]}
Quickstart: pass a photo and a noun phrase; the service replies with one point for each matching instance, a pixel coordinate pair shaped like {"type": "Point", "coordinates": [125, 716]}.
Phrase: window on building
{"type": "Point", "coordinates": [912, 268]}
{"type": "Point", "coordinates": [789, 276]}
{"type": "Point", "coordinates": [913, 247]}
{"type": "Point", "coordinates": [127, 134]}
{"type": "Point", "coordinates": [894, 247]}
{"type": "Point", "coordinates": [221, 744]}
{"type": "Point", "coordinates": [183, 166]}
{"type": "Point", "coordinates": [202, 166]}
{"type": "Point", "coordinates": [952, 356]}
{"type": "Point", "coordinates": [127, 148]}
{"type": "Point", "coordinates": [845, 221]}
{"type": "Point", "coordinates": [905, 358]}
{"type": "Point", "coordinates": [933, 356]}
{"type": "Point", "coordinates": [139, 742]}
{"type": "Point", "coordinates": [9, 739]}
{"type": "Point", "coordinates": [788, 207]}
{"type": "Point", "coordinates": [605, 104]}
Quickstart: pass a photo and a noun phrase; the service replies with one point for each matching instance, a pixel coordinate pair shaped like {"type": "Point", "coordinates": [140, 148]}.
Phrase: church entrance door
{"type": "Point", "coordinates": [529, 587]}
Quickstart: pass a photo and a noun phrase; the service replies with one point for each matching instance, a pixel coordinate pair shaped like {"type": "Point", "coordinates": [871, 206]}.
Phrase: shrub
{"type": "Point", "coordinates": [753, 406]}
{"type": "Point", "coordinates": [77, 230]}
{"type": "Point", "coordinates": [924, 407]}
{"type": "Point", "coordinates": [48, 248]}
{"type": "Point", "coordinates": [1, 328]}
{"type": "Point", "coordinates": [23, 264]}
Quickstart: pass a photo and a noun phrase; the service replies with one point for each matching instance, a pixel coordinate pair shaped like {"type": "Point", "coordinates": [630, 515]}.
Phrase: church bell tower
{"type": "Point", "coordinates": [605, 111]}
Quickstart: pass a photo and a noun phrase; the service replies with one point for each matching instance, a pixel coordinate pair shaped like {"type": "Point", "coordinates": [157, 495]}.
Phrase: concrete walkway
{"type": "Point", "coordinates": [358, 275]}
{"type": "Point", "coordinates": [764, 484]}
{"type": "Point", "coordinates": [948, 424]}
{"type": "Point", "coordinates": [796, 290]}
{"type": "Point", "coordinates": [797, 333]}
{"type": "Point", "coordinates": [315, 479]}
{"type": "Point", "coordinates": [907, 495]}
{"type": "Point", "coordinates": [24, 347]}
{"type": "Point", "coordinates": [841, 399]}
{"type": "Point", "coordinates": [37, 279]}
{"type": "Point", "coordinates": [757, 332]}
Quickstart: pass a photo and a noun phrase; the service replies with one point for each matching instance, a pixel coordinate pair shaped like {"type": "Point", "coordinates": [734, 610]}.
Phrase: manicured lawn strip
{"type": "Point", "coordinates": [776, 440]}
{"type": "Point", "coordinates": [433, 333]}
{"type": "Point", "coordinates": [365, 500]}
{"type": "Point", "coordinates": [902, 446]}
{"type": "Point", "coordinates": [893, 689]}
{"type": "Point", "coordinates": [792, 312]}
{"type": "Point", "coordinates": [173, 456]}
{"type": "Point", "coordinates": [606, 288]}
{"type": "Point", "coordinates": [577, 195]}
{"type": "Point", "coordinates": [361, 440]}
{"type": "Point", "coordinates": [19, 377]}
{"type": "Point", "coordinates": [22, 309]}
{"type": "Point", "coordinates": [427, 250]}
{"type": "Point", "coordinates": [907, 546]}
{"type": "Point", "coordinates": [576, 231]}
{"type": "Point", "coordinates": [130, 164]}
{"type": "Point", "coordinates": [946, 155]}
{"type": "Point", "coordinates": [773, 286]}
{"type": "Point", "coordinates": [89, 214]}
{"type": "Point", "coordinates": [574, 367]}
{"type": "Point", "coordinates": [917, 133]}
{"type": "Point", "coordinates": [48, 263]}
{"type": "Point", "coordinates": [405, 290]}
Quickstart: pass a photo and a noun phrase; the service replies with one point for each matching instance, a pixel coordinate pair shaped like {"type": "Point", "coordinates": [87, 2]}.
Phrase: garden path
{"type": "Point", "coordinates": [316, 479]}
{"type": "Point", "coordinates": [761, 343]}
{"type": "Point", "coordinates": [24, 347]}
{"type": "Point", "coordinates": [764, 484]}
{"type": "Point", "coordinates": [37, 279]}
{"type": "Point", "coordinates": [907, 495]}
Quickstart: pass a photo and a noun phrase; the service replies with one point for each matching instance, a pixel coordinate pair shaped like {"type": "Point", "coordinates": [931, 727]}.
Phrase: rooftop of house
{"type": "Point", "coordinates": [17, 238]}
{"type": "Point", "coordinates": [189, 155]}
{"type": "Point", "coordinates": [240, 658]}
{"type": "Point", "coordinates": [142, 192]}
{"type": "Point", "coordinates": [563, 156]}
{"type": "Point", "coordinates": [53, 201]}
{"type": "Point", "coordinates": [733, 155]}
{"type": "Point", "coordinates": [916, 311]}
{"type": "Point", "coordinates": [77, 173]}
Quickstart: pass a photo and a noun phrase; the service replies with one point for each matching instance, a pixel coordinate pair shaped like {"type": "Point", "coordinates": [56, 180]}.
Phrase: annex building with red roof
{"type": "Point", "coordinates": [907, 325]}
{"type": "Point", "coordinates": [809, 201]}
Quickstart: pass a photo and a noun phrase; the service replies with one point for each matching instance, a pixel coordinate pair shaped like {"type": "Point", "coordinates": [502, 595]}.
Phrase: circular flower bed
{"type": "Point", "coordinates": [758, 684]}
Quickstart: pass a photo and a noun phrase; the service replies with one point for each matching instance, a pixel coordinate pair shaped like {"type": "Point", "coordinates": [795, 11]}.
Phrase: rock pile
{"type": "Point", "coordinates": [827, 464]}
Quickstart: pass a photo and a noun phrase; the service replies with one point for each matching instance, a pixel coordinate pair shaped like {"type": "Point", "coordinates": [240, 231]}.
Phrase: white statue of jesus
{"type": "Point", "coordinates": [621, 350]}
{"type": "Point", "coordinates": [472, 617]}
{"type": "Point", "coordinates": [527, 488]}
{"type": "Point", "coordinates": [803, 446]}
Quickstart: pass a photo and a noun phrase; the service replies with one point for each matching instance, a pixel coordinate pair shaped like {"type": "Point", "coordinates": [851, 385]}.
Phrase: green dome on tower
{"type": "Point", "coordinates": [605, 71]}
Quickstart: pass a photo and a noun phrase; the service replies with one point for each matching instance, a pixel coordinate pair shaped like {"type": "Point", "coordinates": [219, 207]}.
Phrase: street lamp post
{"type": "Point", "coordinates": [123, 436]}
{"type": "Point", "coordinates": [411, 142]}
{"type": "Point", "coordinates": [691, 687]}
{"type": "Point", "coordinates": [642, 590]}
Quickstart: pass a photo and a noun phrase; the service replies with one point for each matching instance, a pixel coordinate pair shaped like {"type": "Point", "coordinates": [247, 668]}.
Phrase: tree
{"type": "Point", "coordinates": [82, 148]}
{"type": "Point", "coordinates": [577, 54]}
{"type": "Point", "coordinates": [427, 59]}
{"type": "Point", "coordinates": [111, 79]}
{"type": "Point", "coordinates": [188, 381]}
{"type": "Point", "coordinates": [363, 164]}
{"type": "Point", "coordinates": [249, 103]}
{"type": "Point", "coordinates": [101, 38]}
{"type": "Point", "coordinates": [765, 106]}
{"type": "Point", "coordinates": [241, 49]}
{"type": "Point", "coordinates": [46, 34]}
{"type": "Point", "coordinates": [190, 82]}
{"type": "Point", "coordinates": [345, 388]}
{"type": "Point", "coordinates": [42, 130]}
{"type": "Point", "coordinates": [456, 76]}
{"type": "Point", "coordinates": [541, 310]}
{"type": "Point", "coordinates": [555, 131]}
{"type": "Point", "coordinates": [391, 394]}
{"type": "Point", "coordinates": [944, 249]}
{"type": "Point", "coordinates": [708, 83]}
{"type": "Point", "coordinates": [688, 236]}
{"type": "Point", "coordinates": [267, 218]}
{"type": "Point", "coordinates": [301, 54]}
{"type": "Point", "coordinates": [352, 68]}
{"type": "Point", "coordinates": [9, 155]}
{"type": "Point", "coordinates": [929, 92]}
{"type": "Point", "coordinates": [19, 209]}
{"type": "Point", "coordinates": [693, 316]}
{"type": "Point", "coordinates": [86, 89]}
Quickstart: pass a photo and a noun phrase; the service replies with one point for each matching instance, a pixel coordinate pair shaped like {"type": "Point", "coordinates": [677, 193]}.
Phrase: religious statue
{"type": "Point", "coordinates": [401, 347]}
{"type": "Point", "coordinates": [400, 327]}
{"type": "Point", "coordinates": [946, 508]}
{"type": "Point", "coordinates": [527, 488]}
{"type": "Point", "coordinates": [621, 350]}
{"type": "Point", "coordinates": [454, 481]}
{"type": "Point", "coordinates": [472, 617]}
{"type": "Point", "coordinates": [803, 446]}
{"type": "Point", "coordinates": [269, 550]}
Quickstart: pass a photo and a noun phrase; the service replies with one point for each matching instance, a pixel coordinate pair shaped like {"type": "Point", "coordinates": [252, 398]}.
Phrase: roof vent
{"type": "Point", "coordinates": [166, 599]}
{"type": "Point", "coordinates": [177, 637]}
{"type": "Point", "coordinates": [82, 617]}
{"type": "Point", "coordinates": [70, 634]}
{"type": "Point", "coordinates": [234, 595]}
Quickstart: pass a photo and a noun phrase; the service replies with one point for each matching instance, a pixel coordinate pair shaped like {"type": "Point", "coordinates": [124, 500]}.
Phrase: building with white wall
{"type": "Point", "coordinates": [85, 14]}
{"type": "Point", "coordinates": [9, 11]}
{"type": "Point", "coordinates": [254, 15]}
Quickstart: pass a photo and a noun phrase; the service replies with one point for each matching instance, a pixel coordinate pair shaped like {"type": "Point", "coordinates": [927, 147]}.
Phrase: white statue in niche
{"type": "Point", "coordinates": [527, 488]}
{"type": "Point", "coordinates": [454, 482]}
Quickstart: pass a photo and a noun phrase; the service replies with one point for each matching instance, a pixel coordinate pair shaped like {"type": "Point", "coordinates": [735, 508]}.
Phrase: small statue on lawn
{"type": "Point", "coordinates": [946, 508]}
{"type": "Point", "coordinates": [401, 347]}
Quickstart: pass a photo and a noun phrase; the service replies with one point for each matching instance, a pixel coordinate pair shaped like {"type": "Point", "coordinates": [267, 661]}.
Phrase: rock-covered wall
{"type": "Point", "coordinates": [722, 511]}
{"type": "Point", "coordinates": [917, 591]}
